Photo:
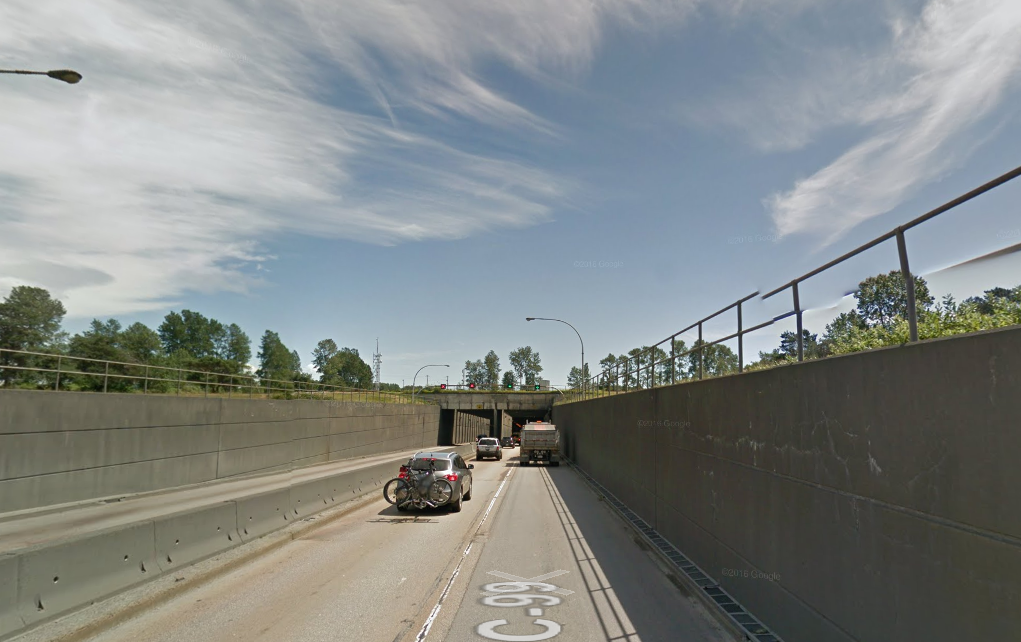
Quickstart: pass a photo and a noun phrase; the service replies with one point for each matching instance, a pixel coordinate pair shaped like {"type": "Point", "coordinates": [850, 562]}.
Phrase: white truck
{"type": "Point", "coordinates": [540, 442]}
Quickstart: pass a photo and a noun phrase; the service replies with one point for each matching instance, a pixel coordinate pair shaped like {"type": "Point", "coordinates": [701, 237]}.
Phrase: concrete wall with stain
{"type": "Point", "coordinates": [869, 497]}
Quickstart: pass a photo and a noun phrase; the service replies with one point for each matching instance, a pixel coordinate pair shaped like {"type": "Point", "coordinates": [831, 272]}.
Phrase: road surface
{"type": "Point", "coordinates": [378, 575]}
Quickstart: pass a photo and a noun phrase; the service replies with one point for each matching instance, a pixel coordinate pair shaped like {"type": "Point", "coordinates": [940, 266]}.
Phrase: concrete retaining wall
{"type": "Point", "coordinates": [468, 427]}
{"type": "Point", "coordinates": [41, 583]}
{"type": "Point", "coordinates": [66, 447]}
{"type": "Point", "coordinates": [870, 497]}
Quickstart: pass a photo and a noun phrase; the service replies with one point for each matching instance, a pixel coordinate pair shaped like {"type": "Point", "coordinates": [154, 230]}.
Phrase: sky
{"type": "Point", "coordinates": [428, 174]}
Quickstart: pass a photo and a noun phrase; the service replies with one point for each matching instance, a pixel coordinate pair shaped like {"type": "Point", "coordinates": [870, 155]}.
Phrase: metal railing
{"type": "Point", "coordinates": [608, 381]}
{"type": "Point", "coordinates": [57, 372]}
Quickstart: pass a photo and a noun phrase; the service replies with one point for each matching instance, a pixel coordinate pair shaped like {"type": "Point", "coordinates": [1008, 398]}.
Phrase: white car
{"type": "Point", "coordinates": [488, 447]}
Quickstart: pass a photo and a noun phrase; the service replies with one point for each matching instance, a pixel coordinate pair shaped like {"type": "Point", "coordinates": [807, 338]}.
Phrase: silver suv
{"type": "Point", "coordinates": [427, 468]}
{"type": "Point", "coordinates": [488, 447]}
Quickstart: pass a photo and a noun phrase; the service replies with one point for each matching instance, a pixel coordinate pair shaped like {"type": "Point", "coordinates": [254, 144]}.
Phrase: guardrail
{"type": "Point", "coordinates": [608, 381]}
{"type": "Point", "coordinates": [62, 372]}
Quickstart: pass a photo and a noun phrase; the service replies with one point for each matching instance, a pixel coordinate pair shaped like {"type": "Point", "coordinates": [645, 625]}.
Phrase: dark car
{"type": "Point", "coordinates": [430, 467]}
{"type": "Point", "coordinates": [507, 442]}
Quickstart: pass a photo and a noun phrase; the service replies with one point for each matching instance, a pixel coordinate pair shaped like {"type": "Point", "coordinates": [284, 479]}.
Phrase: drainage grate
{"type": "Point", "coordinates": [753, 628]}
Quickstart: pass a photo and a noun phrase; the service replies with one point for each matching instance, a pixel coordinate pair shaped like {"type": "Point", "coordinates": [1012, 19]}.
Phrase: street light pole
{"type": "Point", "coordinates": [67, 75]}
{"type": "Point", "coordinates": [581, 373]}
{"type": "Point", "coordinates": [431, 365]}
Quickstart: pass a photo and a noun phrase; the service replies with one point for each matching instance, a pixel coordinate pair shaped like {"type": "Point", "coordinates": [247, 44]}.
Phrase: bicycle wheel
{"type": "Point", "coordinates": [441, 491]}
{"type": "Point", "coordinates": [396, 491]}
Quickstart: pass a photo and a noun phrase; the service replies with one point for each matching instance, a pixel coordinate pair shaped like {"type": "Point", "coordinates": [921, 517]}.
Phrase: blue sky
{"type": "Point", "coordinates": [430, 173]}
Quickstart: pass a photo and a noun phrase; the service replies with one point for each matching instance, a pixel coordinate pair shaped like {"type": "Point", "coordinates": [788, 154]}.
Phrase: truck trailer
{"type": "Point", "coordinates": [540, 442]}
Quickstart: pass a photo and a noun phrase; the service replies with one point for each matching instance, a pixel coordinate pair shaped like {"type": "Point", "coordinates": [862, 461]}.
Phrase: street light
{"type": "Point", "coordinates": [431, 365]}
{"type": "Point", "coordinates": [67, 75]}
{"type": "Point", "coordinates": [581, 372]}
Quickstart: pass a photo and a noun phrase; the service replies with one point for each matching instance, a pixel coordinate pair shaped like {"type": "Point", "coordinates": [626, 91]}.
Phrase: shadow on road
{"type": "Point", "coordinates": [631, 605]}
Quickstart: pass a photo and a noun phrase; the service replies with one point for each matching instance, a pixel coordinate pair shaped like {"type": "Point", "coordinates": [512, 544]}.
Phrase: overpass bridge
{"type": "Point", "coordinates": [503, 410]}
{"type": "Point", "coordinates": [869, 497]}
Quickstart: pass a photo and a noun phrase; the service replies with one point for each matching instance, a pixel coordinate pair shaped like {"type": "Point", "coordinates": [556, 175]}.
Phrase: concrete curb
{"type": "Point", "coordinates": [42, 583]}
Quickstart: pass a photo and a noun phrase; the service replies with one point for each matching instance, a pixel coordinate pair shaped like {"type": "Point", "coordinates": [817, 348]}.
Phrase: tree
{"type": "Point", "coordinates": [883, 298]}
{"type": "Point", "coordinates": [101, 342]}
{"type": "Point", "coordinates": [346, 368]}
{"type": "Point", "coordinates": [173, 333]}
{"type": "Point", "coordinates": [986, 304]}
{"type": "Point", "coordinates": [526, 364]}
{"type": "Point", "coordinates": [676, 369]}
{"type": "Point", "coordinates": [491, 365]}
{"type": "Point", "coordinates": [141, 344]}
{"type": "Point", "coordinates": [608, 365]}
{"type": "Point", "coordinates": [654, 376]}
{"type": "Point", "coordinates": [322, 354]}
{"type": "Point", "coordinates": [508, 379]}
{"type": "Point", "coordinates": [577, 377]}
{"type": "Point", "coordinates": [275, 360]}
{"type": "Point", "coordinates": [717, 360]}
{"type": "Point", "coordinates": [29, 321]}
{"type": "Point", "coordinates": [475, 372]}
{"type": "Point", "coordinates": [633, 368]}
{"type": "Point", "coordinates": [237, 347]}
{"type": "Point", "coordinates": [204, 338]}
{"type": "Point", "coordinates": [200, 333]}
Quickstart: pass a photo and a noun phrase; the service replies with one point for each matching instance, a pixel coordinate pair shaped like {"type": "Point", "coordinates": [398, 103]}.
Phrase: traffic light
{"type": "Point", "coordinates": [510, 386]}
{"type": "Point", "coordinates": [443, 386]}
{"type": "Point", "coordinates": [471, 386]}
{"type": "Point", "coordinates": [536, 386]}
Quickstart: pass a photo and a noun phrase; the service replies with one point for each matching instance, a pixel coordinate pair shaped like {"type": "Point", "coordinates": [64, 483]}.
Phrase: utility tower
{"type": "Point", "coordinates": [377, 361]}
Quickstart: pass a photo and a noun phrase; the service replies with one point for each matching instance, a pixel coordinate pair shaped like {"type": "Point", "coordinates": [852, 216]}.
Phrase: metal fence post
{"type": "Point", "coordinates": [206, 394]}
{"type": "Point", "coordinates": [230, 387]}
{"type": "Point", "coordinates": [178, 381]}
{"type": "Point", "coordinates": [145, 386]}
{"type": "Point", "coordinates": [701, 347]}
{"type": "Point", "coordinates": [797, 312]}
{"type": "Point", "coordinates": [909, 284]}
{"type": "Point", "coordinates": [652, 367]}
{"type": "Point", "coordinates": [56, 386]}
{"type": "Point", "coordinates": [106, 376]}
{"type": "Point", "coordinates": [740, 341]}
{"type": "Point", "coordinates": [673, 361]}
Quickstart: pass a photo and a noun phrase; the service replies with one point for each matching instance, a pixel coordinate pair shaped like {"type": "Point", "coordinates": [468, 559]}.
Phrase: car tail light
{"type": "Point", "coordinates": [452, 477]}
{"type": "Point", "coordinates": [403, 475]}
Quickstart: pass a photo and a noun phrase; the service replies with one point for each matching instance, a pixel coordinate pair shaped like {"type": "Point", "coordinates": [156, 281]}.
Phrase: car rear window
{"type": "Point", "coordinates": [488, 442]}
{"type": "Point", "coordinates": [422, 463]}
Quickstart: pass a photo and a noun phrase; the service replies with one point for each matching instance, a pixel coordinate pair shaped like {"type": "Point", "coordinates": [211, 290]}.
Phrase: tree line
{"type": "Point", "coordinates": [880, 318]}
{"type": "Point", "coordinates": [30, 321]}
{"type": "Point", "coordinates": [485, 372]}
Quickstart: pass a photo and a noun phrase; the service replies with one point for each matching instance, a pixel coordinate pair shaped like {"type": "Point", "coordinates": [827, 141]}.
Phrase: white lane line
{"type": "Point", "coordinates": [457, 569]}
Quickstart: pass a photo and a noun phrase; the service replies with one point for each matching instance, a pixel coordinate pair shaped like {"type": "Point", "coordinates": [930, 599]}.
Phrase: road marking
{"type": "Point", "coordinates": [537, 578]}
{"type": "Point", "coordinates": [457, 569]}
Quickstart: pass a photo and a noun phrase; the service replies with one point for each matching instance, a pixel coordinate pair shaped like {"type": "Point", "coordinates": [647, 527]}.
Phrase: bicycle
{"type": "Point", "coordinates": [405, 490]}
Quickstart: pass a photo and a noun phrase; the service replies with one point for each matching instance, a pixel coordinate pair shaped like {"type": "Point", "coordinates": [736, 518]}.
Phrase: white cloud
{"type": "Point", "coordinates": [944, 74]}
{"type": "Point", "coordinates": [201, 130]}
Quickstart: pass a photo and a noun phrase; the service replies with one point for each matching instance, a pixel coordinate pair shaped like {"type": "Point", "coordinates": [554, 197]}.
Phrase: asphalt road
{"type": "Point", "coordinates": [377, 575]}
